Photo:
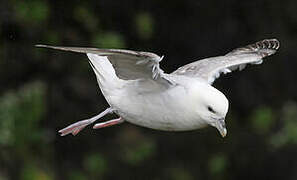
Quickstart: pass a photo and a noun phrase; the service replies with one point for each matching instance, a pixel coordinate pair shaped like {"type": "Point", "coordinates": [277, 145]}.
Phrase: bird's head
{"type": "Point", "coordinates": [212, 107]}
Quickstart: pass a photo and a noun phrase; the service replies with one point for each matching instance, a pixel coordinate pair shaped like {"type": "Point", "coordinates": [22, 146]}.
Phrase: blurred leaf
{"type": "Point", "coordinates": [262, 119]}
{"type": "Point", "coordinates": [108, 40]}
{"type": "Point", "coordinates": [180, 173]}
{"type": "Point", "coordinates": [34, 11]}
{"type": "Point", "coordinates": [20, 112]}
{"type": "Point", "coordinates": [144, 25]}
{"type": "Point", "coordinates": [6, 119]}
{"type": "Point", "coordinates": [142, 151]}
{"type": "Point", "coordinates": [33, 172]}
{"type": "Point", "coordinates": [77, 175]}
{"type": "Point", "coordinates": [51, 37]}
{"type": "Point", "coordinates": [288, 133]}
{"type": "Point", "coordinates": [95, 164]}
{"type": "Point", "coordinates": [84, 16]}
{"type": "Point", "coordinates": [217, 164]}
{"type": "Point", "coordinates": [2, 177]}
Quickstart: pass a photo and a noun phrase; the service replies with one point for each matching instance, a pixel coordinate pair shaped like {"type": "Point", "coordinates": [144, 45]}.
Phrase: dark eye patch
{"type": "Point", "coordinates": [210, 109]}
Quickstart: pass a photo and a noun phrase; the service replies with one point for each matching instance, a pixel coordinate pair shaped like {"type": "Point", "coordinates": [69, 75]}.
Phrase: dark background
{"type": "Point", "coordinates": [42, 91]}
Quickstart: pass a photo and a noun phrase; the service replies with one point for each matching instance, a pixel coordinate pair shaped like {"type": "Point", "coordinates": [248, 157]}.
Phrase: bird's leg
{"type": "Point", "coordinates": [75, 128]}
{"type": "Point", "coordinates": [109, 123]}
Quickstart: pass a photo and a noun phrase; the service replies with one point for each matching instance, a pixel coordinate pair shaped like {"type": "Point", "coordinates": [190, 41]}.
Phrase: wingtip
{"type": "Point", "coordinates": [62, 48]}
{"type": "Point", "coordinates": [41, 45]}
{"type": "Point", "coordinates": [267, 44]}
{"type": "Point", "coordinates": [264, 48]}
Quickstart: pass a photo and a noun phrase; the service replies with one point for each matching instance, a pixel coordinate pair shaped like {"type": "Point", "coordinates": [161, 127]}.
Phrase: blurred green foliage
{"type": "Point", "coordinates": [288, 133]}
{"type": "Point", "coordinates": [96, 165]}
{"type": "Point", "coordinates": [77, 175]}
{"type": "Point", "coordinates": [139, 153]}
{"type": "Point", "coordinates": [31, 12]}
{"type": "Point", "coordinates": [33, 172]}
{"type": "Point", "coordinates": [217, 164]}
{"type": "Point", "coordinates": [20, 134]}
{"type": "Point", "coordinates": [262, 119]}
{"type": "Point", "coordinates": [20, 113]}
{"type": "Point", "coordinates": [52, 37]}
{"type": "Point", "coordinates": [108, 40]}
{"type": "Point", "coordinates": [83, 15]}
{"type": "Point", "coordinates": [178, 173]}
{"type": "Point", "coordinates": [144, 25]}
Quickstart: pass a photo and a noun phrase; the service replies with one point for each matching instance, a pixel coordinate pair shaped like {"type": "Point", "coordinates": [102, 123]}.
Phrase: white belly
{"type": "Point", "coordinates": [168, 110]}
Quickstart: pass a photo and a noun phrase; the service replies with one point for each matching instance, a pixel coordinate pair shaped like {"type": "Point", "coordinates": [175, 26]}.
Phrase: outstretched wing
{"type": "Point", "coordinates": [210, 68]}
{"type": "Point", "coordinates": [128, 65]}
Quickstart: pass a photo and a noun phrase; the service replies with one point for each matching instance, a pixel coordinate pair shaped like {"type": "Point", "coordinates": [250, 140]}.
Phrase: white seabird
{"type": "Point", "coordinates": [139, 92]}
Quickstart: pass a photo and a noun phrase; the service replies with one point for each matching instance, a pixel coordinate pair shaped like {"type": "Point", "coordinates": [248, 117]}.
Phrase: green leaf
{"type": "Point", "coordinates": [86, 18]}
{"type": "Point", "coordinates": [136, 155]}
{"type": "Point", "coordinates": [95, 164]}
{"type": "Point", "coordinates": [144, 25]}
{"type": "Point", "coordinates": [262, 119]}
{"type": "Point", "coordinates": [108, 40]}
{"type": "Point", "coordinates": [77, 175]}
{"type": "Point", "coordinates": [178, 173]}
{"type": "Point", "coordinates": [20, 112]}
{"type": "Point", "coordinates": [288, 133]}
{"type": "Point", "coordinates": [33, 172]}
{"type": "Point", "coordinates": [33, 12]}
{"type": "Point", "coordinates": [217, 164]}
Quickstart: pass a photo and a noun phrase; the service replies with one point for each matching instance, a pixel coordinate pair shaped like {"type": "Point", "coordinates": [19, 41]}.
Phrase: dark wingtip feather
{"type": "Point", "coordinates": [264, 48]}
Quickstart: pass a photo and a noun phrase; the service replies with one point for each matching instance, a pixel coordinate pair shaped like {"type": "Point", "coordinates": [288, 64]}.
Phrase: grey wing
{"type": "Point", "coordinates": [210, 68]}
{"type": "Point", "coordinates": [128, 65]}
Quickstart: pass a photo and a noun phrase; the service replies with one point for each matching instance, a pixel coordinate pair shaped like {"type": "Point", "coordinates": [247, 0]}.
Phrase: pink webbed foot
{"type": "Point", "coordinates": [75, 128]}
{"type": "Point", "coordinates": [108, 123]}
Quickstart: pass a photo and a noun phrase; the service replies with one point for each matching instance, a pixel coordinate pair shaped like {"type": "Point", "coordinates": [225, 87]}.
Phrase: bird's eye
{"type": "Point", "coordinates": [210, 109]}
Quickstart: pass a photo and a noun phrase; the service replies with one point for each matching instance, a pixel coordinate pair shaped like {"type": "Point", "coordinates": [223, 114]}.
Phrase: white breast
{"type": "Point", "coordinates": [165, 109]}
